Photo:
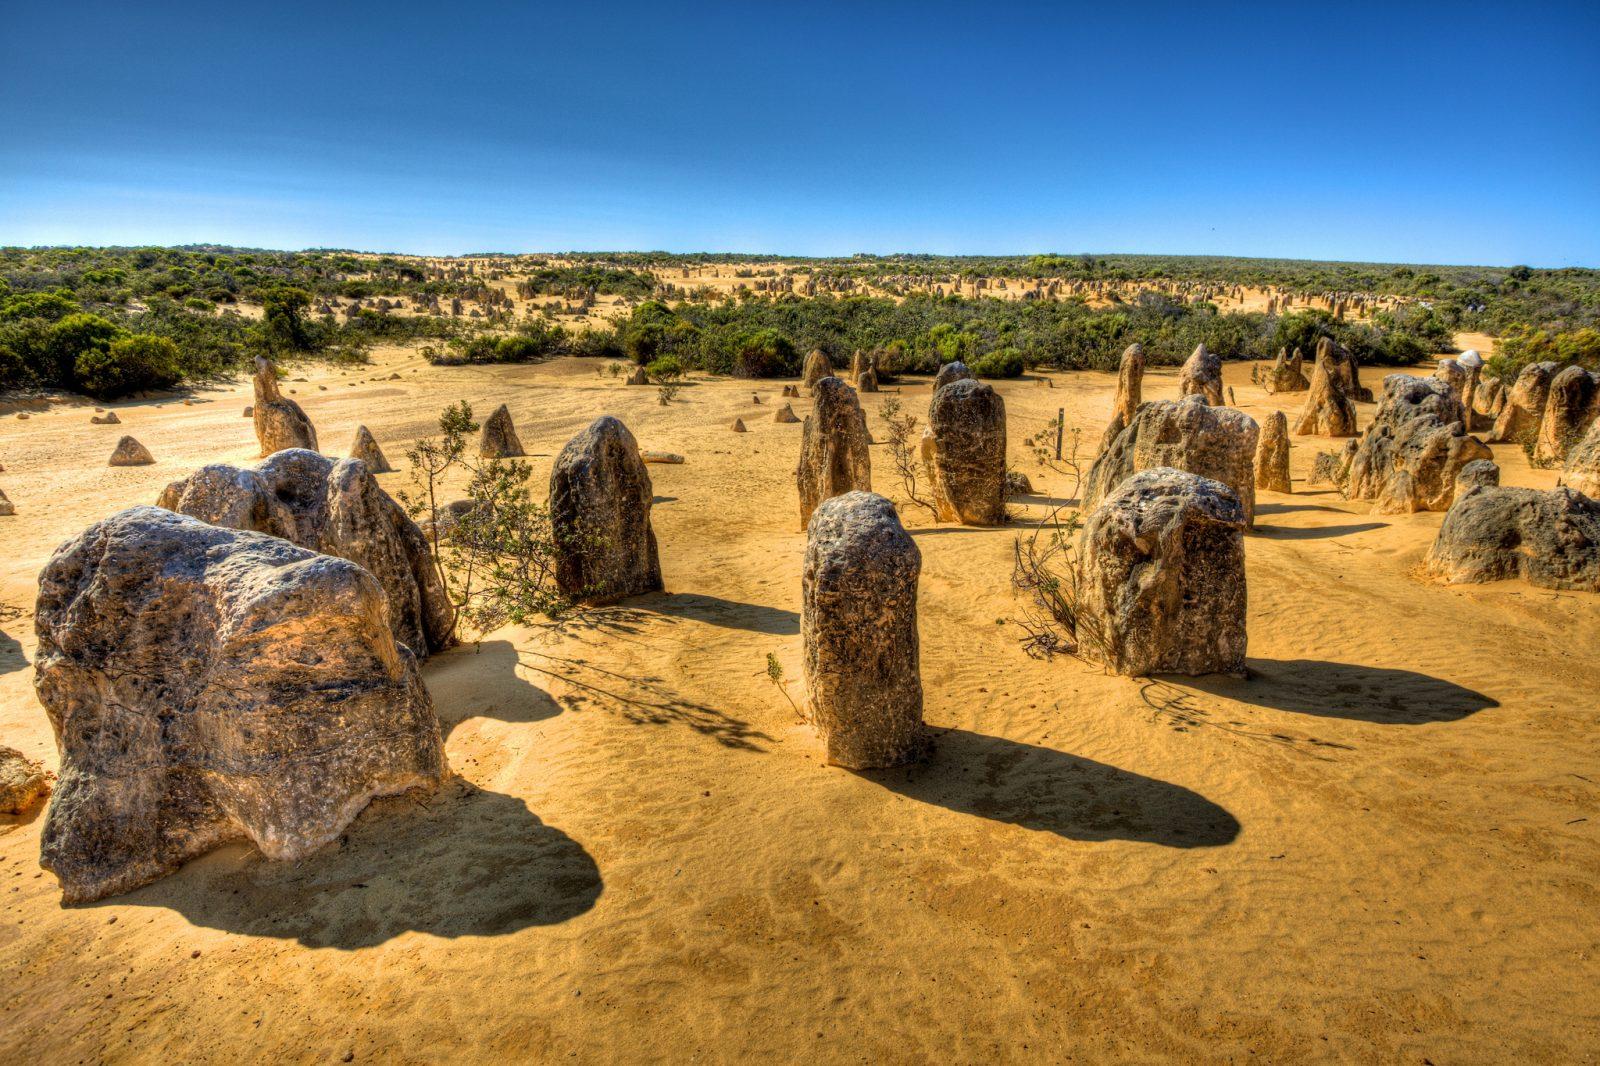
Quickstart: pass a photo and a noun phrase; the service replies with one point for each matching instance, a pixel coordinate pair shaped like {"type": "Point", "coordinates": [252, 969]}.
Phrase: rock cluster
{"type": "Point", "coordinates": [834, 456]}
{"type": "Point", "coordinates": [209, 685]}
{"type": "Point", "coordinates": [279, 421]}
{"type": "Point", "coordinates": [858, 626]}
{"type": "Point", "coordinates": [1410, 455]}
{"type": "Point", "coordinates": [600, 497]}
{"type": "Point", "coordinates": [1189, 435]}
{"type": "Point", "coordinates": [1161, 587]}
{"type": "Point", "coordinates": [967, 420]}
{"type": "Point", "coordinates": [334, 507]}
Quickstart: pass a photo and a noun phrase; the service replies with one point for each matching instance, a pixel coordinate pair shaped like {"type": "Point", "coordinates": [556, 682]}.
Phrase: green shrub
{"type": "Point", "coordinates": [764, 353]}
{"type": "Point", "coordinates": [1005, 363]}
{"type": "Point", "coordinates": [131, 363]}
{"type": "Point", "coordinates": [665, 369]}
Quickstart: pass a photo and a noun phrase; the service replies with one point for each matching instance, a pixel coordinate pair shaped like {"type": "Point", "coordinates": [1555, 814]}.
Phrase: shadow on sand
{"type": "Point", "coordinates": [465, 862]}
{"type": "Point", "coordinates": [1052, 792]}
{"type": "Point", "coordinates": [1315, 532]}
{"type": "Point", "coordinates": [714, 610]}
{"type": "Point", "coordinates": [11, 657]}
{"type": "Point", "coordinates": [1344, 690]}
{"type": "Point", "coordinates": [484, 683]}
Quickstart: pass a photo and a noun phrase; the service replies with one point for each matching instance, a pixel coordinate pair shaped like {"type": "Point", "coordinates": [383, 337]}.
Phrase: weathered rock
{"type": "Point", "coordinates": [817, 367]}
{"type": "Point", "coordinates": [1162, 583]}
{"type": "Point", "coordinates": [498, 439]}
{"type": "Point", "coordinates": [1472, 364]}
{"type": "Point", "coordinates": [1490, 398]}
{"type": "Point", "coordinates": [867, 380]}
{"type": "Point", "coordinates": [1201, 375]}
{"type": "Point", "coordinates": [1582, 470]}
{"type": "Point", "coordinates": [1272, 454]}
{"type": "Point", "coordinates": [1328, 410]}
{"type": "Point", "coordinates": [859, 364]}
{"type": "Point", "coordinates": [968, 420]}
{"type": "Point", "coordinates": [209, 685]}
{"type": "Point", "coordinates": [791, 392]}
{"type": "Point", "coordinates": [1455, 376]}
{"type": "Point", "coordinates": [280, 423]}
{"type": "Point", "coordinates": [600, 497]}
{"type": "Point", "coordinates": [956, 371]}
{"type": "Point", "coordinates": [1568, 411]}
{"type": "Point", "coordinates": [365, 447]}
{"type": "Point", "coordinates": [1496, 533]}
{"type": "Point", "coordinates": [784, 414]}
{"type": "Point", "coordinates": [1286, 374]}
{"type": "Point", "coordinates": [1017, 484]}
{"type": "Point", "coordinates": [834, 456]}
{"type": "Point", "coordinates": [334, 507]}
{"type": "Point", "coordinates": [130, 452]}
{"type": "Point", "coordinates": [1410, 455]}
{"type": "Point", "coordinates": [1331, 468]}
{"type": "Point", "coordinates": [1188, 434]}
{"type": "Point", "coordinates": [638, 377]}
{"type": "Point", "coordinates": [858, 626]}
{"type": "Point", "coordinates": [1478, 474]}
{"type": "Point", "coordinates": [7, 508]}
{"type": "Point", "coordinates": [23, 782]}
{"type": "Point", "coordinates": [662, 458]}
{"type": "Point", "coordinates": [249, 411]}
{"type": "Point", "coordinates": [738, 425]}
{"type": "Point", "coordinates": [1130, 385]}
{"type": "Point", "coordinates": [108, 419]}
{"type": "Point", "coordinates": [1519, 419]}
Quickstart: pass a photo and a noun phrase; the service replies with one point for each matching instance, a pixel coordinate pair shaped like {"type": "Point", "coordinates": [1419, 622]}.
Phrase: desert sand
{"type": "Point", "coordinates": [1384, 846]}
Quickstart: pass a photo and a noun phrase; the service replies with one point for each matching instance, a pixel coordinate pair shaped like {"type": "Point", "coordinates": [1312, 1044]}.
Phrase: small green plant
{"type": "Point", "coordinates": [775, 675]}
{"type": "Point", "coordinates": [901, 430]}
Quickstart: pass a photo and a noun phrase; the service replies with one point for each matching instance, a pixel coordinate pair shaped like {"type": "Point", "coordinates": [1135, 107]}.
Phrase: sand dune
{"type": "Point", "coordinates": [1381, 847]}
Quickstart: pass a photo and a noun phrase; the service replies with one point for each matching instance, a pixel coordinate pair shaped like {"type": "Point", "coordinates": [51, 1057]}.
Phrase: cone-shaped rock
{"type": "Point", "coordinates": [817, 368]}
{"type": "Point", "coordinates": [834, 456]}
{"type": "Point", "coordinates": [600, 496]}
{"type": "Point", "coordinates": [1201, 375]}
{"type": "Point", "coordinates": [1272, 454]}
{"type": "Point", "coordinates": [858, 626]}
{"type": "Point", "coordinates": [366, 449]}
{"type": "Point", "coordinates": [130, 452]}
{"type": "Point", "coordinates": [1328, 411]}
{"type": "Point", "coordinates": [279, 421]}
{"type": "Point", "coordinates": [498, 440]}
{"type": "Point", "coordinates": [784, 414]}
{"type": "Point", "coordinates": [738, 425]}
{"type": "Point", "coordinates": [968, 420]}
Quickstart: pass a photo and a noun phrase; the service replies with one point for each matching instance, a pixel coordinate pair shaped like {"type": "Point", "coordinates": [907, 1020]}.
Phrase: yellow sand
{"type": "Point", "coordinates": [1383, 847]}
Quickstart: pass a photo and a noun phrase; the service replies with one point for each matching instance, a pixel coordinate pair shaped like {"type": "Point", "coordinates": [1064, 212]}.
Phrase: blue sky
{"type": "Point", "coordinates": [1459, 133]}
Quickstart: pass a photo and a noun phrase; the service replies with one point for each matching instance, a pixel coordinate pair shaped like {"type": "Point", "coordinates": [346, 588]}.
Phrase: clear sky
{"type": "Point", "coordinates": [1442, 133]}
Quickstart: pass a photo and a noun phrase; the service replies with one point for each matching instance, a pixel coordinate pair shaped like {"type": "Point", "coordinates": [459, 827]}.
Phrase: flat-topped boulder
{"type": "Point", "coordinates": [1188, 434]}
{"type": "Point", "coordinates": [209, 685]}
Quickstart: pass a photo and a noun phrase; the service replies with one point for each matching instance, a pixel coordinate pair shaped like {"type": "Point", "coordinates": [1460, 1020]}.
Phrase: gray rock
{"type": "Point", "coordinates": [365, 447]}
{"type": "Point", "coordinates": [1568, 411]}
{"type": "Point", "coordinates": [1410, 455]}
{"type": "Point", "coordinates": [279, 421]}
{"type": "Point", "coordinates": [1201, 375]}
{"type": "Point", "coordinates": [956, 371]}
{"type": "Point", "coordinates": [1188, 434]}
{"type": "Point", "coordinates": [209, 685]}
{"type": "Point", "coordinates": [1496, 533]}
{"type": "Point", "coordinates": [858, 625]}
{"type": "Point", "coordinates": [1478, 474]}
{"type": "Point", "coordinates": [1519, 419]}
{"type": "Point", "coordinates": [817, 367]}
{"type": "Point", "coordinates": [1329, 410]}
{"type": "Point", "coordinates": [834, 456]}
{"type": "Point", "coordinates": [23, 782]}
{"type": "Point", "coordinates": [498, 439]}
{"type": "Point", "coordinates": [334, 507]}
{"type": "Point", "coordinates": [968, 421]}
{"type": "Point", "coordinates": [1272, 454]}
{"type": "Point", "coordinates": [130, 452]}
{"type": "Point", "coordinates": [600, 496]}
{"type": "Point", "coordinates": [1161, 587]}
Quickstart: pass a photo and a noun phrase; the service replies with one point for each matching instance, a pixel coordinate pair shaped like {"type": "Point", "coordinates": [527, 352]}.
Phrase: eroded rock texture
{"type": "Point", "coordinates": [1130, 386]}
{"type": "Point", "coordinates": [1188, 434]}
{"type": "Point", "coordinates": [498, 438]}
{"type": "Point", "coordinates": [365, 447]}
{"type": "Point", "coordinates": [335, 507]}
{"type": "Point", "coordinates": [1201, 375]}
{"type": "Point", "coordinates": [968, 421]}
{"type": "Point", "coordinates": [1582, 470]}
{"type": "Point", "coordinates": [1272, 454]}
{"type": "Point", "coordinates": [1329, 410]}
{"type": "Point", "coordinates": [1495, 533]}
{"type": "Point", "coordinates": [1286, 374]}
{"type": "Point", "coordinates": [1478, 474]}
{"type": "Point", "coordinates": [1568, 411]}
{"type": "Point", "coordinates": [23, 782]}
{"type": "Point", "coordinates": [867, 380]}
{"type": "Point", "coordinates": [1409, 457]}
{"type": "Point", "coordinates": [817, 367]}
{"type": "Point", "coordinates": [1162, 586]}
{"type": "Point", "coordinates": [600, 496]}
{"type": "Point", "coordinates": [858, 625]}
{"type": "Point", "coordinates": [834, 456]}
{"type": "Point", "coordinates": [956, 371]}
{"type": "Point", "coordinates": [279, 421]}
{"type": "Point", "coordinates": [1523, 411]}
{"type": "Point", "coordinates": [209, 685]}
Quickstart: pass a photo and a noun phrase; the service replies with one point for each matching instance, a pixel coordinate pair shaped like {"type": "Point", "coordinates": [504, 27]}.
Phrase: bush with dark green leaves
{"type": "Point", "coordinates": [129, 364]}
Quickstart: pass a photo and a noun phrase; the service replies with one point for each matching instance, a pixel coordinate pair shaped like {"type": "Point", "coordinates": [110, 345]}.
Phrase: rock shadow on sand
{"type": "Point", "coordinates": [463, 862]}
{"type": "Point", "coordinates": [484, 683]}
{"type": "Point", "coordinates": [716, 611]}
{"type": "Point", "coordinates": [1377, 694]}
{"type": "Point", "coordinates": [1053, 792]}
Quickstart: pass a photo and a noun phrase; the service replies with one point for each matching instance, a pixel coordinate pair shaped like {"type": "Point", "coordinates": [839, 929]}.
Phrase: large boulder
{"type": "Point", "coordinates": [1201, 375]}
{"type": "Point", "coordinates": [817, 367]}
{"type": "Point", "coordinates": [858, 626]}
{"type": "Point", "coordinates": [1329, 410]}
{"type": "Point", "coordinates": [968, 422]}
{"type": "Point", "coordinates": [600, 496]}
{"type": "Point", "coordinates": [1272, 454]}
{"type": "Point", "coordinates": [1495, 533]}
{"type": "Point", "coordinates": [279, 421]}
{"type": "Point", "coordinates": [210, 685]}
{"type": "Point", "coordinates": [1130, 385]}
{"type": "Point", "coordinates": [1187, 434]}
{"type": "Point", "coordinates": [1286, 374]}
{"type": "Point", "coordinates": [335, 507]}
{"type": "Point", "coordinates": [1523, 411]}
{"type": "Point", "coordinates": [956, 371]}
{"type": "Point", "coordinates": [834, 456]}
{"type": "Point", "coordinates": [1410, 455]}
{"type": "Point", "coordinates": [1568, 411]}
{"type": "Point", "coordinates": [1582, 470]}
{"type": "Point", "coordinates": [1161, 585]}
{"type": "Point", "coordinates": [498, 439]}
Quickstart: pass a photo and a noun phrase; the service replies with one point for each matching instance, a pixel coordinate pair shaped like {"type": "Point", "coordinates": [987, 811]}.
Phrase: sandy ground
{"type": "Point", "coordinates": [1382, 847]}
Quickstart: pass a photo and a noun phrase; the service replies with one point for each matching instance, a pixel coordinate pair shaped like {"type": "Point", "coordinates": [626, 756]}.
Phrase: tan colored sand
{"type": "Point", "coordinates": [1382, 848]}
